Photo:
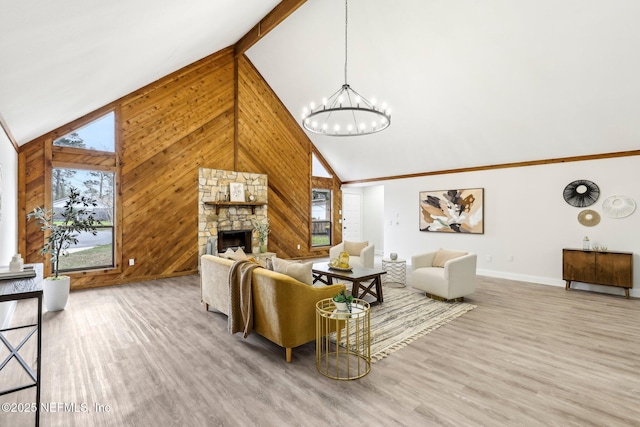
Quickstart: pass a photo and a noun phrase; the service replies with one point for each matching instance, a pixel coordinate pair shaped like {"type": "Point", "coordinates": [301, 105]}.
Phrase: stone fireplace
{"type": "Point", "coordinates": [217, 216]}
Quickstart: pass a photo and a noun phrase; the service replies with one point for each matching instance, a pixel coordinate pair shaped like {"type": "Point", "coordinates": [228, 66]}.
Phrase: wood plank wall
{"type": "Point", "coordinates": [166, 131]}
{"type": "Point", "coordinates": [270, 141]}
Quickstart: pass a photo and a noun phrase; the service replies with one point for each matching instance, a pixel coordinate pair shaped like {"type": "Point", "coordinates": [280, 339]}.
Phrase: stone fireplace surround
{"type": "Point", "coordinates": [211, 183]}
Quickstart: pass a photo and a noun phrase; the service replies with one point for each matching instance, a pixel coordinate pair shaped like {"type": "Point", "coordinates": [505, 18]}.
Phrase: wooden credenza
{"type": "Point", "coordinates": [600, 268]}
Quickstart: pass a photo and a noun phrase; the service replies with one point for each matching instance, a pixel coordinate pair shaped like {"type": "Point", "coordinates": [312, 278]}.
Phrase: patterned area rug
{"type": "Point", "coordinates": [405, 316]}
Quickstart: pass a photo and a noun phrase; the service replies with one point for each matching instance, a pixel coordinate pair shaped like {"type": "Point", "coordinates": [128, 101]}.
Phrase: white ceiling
{"type": "Point", "coordinates": [61, 59]}
{"type": "Point", "coordinates": [470, 83]}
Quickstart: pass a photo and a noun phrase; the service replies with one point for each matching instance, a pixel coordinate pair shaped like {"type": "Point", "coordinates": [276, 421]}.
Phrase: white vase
{"type": "Point", "coordinates": [16, 263]}
{"type": "Point", "coordinates": [341, 306]}
{"type": "Point", "coordinates": [56, 292]}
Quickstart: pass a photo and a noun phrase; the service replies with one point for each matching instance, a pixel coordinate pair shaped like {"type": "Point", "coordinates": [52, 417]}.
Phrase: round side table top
{"type": "Point", "coordinates": [393, 260]}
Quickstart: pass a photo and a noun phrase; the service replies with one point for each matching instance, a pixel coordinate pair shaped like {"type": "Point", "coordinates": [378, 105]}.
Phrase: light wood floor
{"type": "Point", "coordinates": [528, 355]}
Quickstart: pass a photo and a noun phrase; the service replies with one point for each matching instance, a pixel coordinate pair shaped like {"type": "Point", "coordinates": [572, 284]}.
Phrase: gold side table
{"type": "Point", "coordinates": [343, 340]}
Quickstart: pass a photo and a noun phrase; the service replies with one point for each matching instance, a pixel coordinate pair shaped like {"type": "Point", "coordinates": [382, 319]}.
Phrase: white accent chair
{"type": "Point", "coordinates": [361, 254]}
{"type": "Point", "coordinates": [445, 275]}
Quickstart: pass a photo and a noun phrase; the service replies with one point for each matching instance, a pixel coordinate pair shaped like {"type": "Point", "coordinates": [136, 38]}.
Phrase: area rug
{"type": "Point", "coordinates": [405, 316]}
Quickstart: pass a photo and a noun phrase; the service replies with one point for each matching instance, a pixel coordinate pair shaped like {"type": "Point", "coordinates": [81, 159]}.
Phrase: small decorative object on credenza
{"type": "Point", "coordinates": [393, 256]}
{"type": "Point", "coordinates": [585, 243]}
{"type": "Point", "coordinates": [76, 217]}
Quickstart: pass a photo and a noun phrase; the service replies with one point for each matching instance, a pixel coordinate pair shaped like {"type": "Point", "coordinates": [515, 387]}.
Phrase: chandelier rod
{"type": "Point", "coordinates": [346, 40]}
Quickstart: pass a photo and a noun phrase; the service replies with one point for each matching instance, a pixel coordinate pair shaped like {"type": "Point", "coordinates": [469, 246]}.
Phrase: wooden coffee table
{"type": "Point", "coordinates": [367, 280]}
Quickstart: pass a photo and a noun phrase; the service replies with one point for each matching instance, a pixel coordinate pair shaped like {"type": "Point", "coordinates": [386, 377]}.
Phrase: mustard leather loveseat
{"type": "Point", "coordinates": [283, 308]}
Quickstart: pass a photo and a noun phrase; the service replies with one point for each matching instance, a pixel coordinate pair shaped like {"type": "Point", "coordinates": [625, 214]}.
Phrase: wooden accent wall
{"type": "Point", "coordinates": [217, 113]}
{"type": "Point", "coordinates": [270, 141]}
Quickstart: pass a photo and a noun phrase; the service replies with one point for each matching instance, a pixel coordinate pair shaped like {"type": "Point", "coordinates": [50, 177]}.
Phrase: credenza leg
{"type": "Point", "coordinates": [626, 292]}
{"type": "Point", "coordinates": [568, 285]}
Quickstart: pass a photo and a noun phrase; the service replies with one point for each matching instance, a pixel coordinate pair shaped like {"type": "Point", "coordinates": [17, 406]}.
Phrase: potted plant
{"type": "Point", "coordinates": [75, 218]}
{"type": "Point", "coordinates": [262, 229]}
{"type": "Point", "coordinates": [342, 301]}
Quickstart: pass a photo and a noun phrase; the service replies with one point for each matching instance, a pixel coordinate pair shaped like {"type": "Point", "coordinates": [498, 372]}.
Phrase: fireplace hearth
{"type": "Point", "coordinates": [234, 239]}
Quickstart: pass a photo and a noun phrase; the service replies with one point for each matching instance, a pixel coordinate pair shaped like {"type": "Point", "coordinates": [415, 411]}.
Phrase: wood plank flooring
{"type": "Point", "coordinates": [528, 355]}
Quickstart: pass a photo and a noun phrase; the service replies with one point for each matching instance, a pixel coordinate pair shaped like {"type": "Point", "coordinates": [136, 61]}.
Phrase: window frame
{"type": "Point", "coordinates": [93, 160]}
{"type": "Point", "coordinates": [330, 216]}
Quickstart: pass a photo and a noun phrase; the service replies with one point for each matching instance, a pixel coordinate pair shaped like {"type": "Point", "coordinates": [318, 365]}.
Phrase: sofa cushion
{"type": "Point", "coordinates": [444, 255]}
{"type": "Point", "coordinates": [354, 248]}
{"type": "Point", "coordinates": [295, 269]}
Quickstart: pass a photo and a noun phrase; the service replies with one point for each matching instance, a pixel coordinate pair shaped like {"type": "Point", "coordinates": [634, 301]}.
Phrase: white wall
{"type": "Point", "coordinates": [8, 200]}
{"type": "Point", "coordinates": [525, 218]}
{"type": "Point", "coordinates": [8, 214]}
{"type": "Point", "coordinates": [373, 221]}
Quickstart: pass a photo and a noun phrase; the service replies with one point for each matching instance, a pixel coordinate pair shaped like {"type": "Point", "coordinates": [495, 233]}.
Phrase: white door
{"type": "Point", "coordinates": [351, 217]}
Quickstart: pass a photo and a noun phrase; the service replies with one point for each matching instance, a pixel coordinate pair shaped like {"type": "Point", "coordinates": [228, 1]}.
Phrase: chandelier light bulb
{"type": "Point", "coordinates": [336, 128]}
{"type": "Point", "coordinates": [373, 102]}
{"type": "Point", "coordinates": [312, 105]}
{"type": "Point", "coordinates": [349, 128]}
{"type": "Point", "coordinates": [324, 127]}
{"type": "Point", "coordinates": [358, 100]}
{"type": "Point", "coordinates": [324, 101]}
{"type": "Point", "coordinates": [314, 125]}
{"type": "Point", "coordinates": [362, 127]}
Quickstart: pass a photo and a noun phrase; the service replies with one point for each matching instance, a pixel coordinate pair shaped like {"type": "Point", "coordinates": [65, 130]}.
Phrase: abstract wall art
{"type": "Point", "coordinates": [452, 211]}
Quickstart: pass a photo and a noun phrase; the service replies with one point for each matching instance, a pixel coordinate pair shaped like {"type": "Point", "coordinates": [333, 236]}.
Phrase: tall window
{"type": "Point", "coordinates": [320, 217]}
{"type": "Point", "coordinates": [97, 181]}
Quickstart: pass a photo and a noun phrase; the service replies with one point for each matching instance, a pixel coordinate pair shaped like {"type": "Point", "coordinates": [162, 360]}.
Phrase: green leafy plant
{"type": "Point", "coordinates": [262, 229]}
{"type": "Point", "coordinates": [344, 298]}
{"type": "Point", "coordinates": [75, 218]}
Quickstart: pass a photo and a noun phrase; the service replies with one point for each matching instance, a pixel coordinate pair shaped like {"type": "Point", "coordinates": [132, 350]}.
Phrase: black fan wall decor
{"type": "Point", "coordinates": [581, 193]}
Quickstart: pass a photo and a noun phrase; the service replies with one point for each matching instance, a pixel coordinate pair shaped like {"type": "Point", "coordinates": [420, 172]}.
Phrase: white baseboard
{"type": "Point", "coordinates": [551, 281]}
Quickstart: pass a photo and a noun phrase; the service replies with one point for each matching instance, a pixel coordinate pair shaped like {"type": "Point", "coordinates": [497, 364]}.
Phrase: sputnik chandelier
{"type": "Point", "coordinates": [346, 112]}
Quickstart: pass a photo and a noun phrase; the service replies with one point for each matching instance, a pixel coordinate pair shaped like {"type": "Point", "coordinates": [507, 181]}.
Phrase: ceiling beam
{"type": "Point", "coordinates": [266, 24]}
{"type": "Point", "coordinates": [503, 166]}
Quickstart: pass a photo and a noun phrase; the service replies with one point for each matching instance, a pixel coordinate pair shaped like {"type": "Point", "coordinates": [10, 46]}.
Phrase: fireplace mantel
{"type": "Point", "coordinates": [252, 205]}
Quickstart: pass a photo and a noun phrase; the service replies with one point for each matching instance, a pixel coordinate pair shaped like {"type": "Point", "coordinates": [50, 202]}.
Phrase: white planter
{"type": "Point", "coordinates": [341, 306]}
{"type": "Point", "coordinates": [56, 292]}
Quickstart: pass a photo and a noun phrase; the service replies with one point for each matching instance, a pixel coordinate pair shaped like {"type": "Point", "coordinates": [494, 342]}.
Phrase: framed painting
{"type": "Point", "coordinates": [236, 191]}
{"type": "Point", "coordinates": [452, 211]}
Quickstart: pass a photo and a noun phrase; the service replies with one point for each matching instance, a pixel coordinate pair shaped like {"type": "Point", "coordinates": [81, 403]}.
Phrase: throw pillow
{"type": "Point", "coordinates": [295, 269]}
{"type": "Point", "coordinates": [238, 255]}
{"type": "Point", "coordinates": [443, 255]}
{"type": "Point", "coordinates": [354, 248]}
{"type": "Point", "coordinates": [268, 264]}
{"type": "Point", "coordinates": [227, 254]}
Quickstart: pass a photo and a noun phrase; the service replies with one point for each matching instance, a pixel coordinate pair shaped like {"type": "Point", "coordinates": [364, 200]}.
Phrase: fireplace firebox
{"type": "Point", "coordinates": [234, 239]}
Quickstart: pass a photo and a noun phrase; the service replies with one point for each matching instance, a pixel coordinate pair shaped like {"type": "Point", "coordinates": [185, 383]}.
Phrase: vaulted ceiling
{"type": "Point", "coordinates": [470, 83]}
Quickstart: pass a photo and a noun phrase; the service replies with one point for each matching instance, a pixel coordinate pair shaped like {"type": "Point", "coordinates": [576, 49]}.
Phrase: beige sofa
{"type": "Point", "coordinates": [283, 308]}
{"type": "Point", "coordinates": [445, 275]}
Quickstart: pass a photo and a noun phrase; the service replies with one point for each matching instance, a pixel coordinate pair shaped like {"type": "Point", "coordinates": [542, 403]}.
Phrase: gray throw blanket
{"type": "Point", "coordinates": [240, 302]}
